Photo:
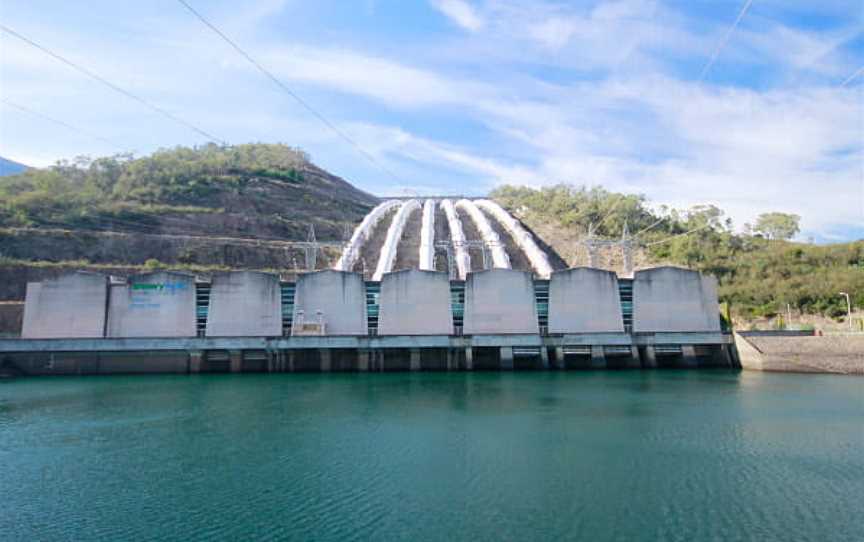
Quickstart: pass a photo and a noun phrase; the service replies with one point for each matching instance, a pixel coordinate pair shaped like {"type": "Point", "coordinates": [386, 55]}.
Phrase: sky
{"type": "Point", "coordinates": [670, 99]}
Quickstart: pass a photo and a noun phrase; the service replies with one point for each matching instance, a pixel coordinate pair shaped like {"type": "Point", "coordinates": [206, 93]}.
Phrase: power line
{"type": "Point", "coordinates": [724, 41]}
{"type": "Point", "coordinates": [694, 230]}
{"type": "Point", "coordinates": [112, 86]}
{"type": "Point", "coordinates": [278, 82]}
{"type": "Point", "coordinates": [852, 77]}
{"type": "Point", "coordinates": [643, 230]}
{"type": "Point", "coordinates": [59, 123]}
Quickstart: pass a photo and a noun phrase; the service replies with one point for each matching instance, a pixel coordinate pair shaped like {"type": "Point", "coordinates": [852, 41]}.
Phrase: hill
{"type": "Point", "coordinates": [195, 209]}
{"type": "Point", "coordinates": [254, 191]}
{"type": "Point", "coordinates": [10, 167]}
{"type": "Point", "coordinates": [758, 276]}
{"type": "Point", "coordinates": [207, 206]}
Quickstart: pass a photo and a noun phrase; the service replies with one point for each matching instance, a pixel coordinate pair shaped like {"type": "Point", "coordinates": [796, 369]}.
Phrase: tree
{"type": "Point", "coordinates": [701, 215]}
{"type": "Point", "coordinates": [777, 225]}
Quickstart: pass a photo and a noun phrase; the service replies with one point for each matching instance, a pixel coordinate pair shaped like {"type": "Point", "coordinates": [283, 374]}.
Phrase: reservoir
{"type": "Point", "coordinates": [636, 455]}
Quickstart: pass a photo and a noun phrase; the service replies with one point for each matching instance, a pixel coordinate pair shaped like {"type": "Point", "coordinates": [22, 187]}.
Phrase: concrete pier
{"type": "Point", "coordinates": [506, 358]}
{"type": "Point", "coordinates": [560, 362]}
{"type": "Point", "coordinates": [326, 360]}
{"type": "Point", "coordinates": [688, 356]}
{"type": "Point", "coordinates": [196, 359]}
{"type": "Point", "coordinates": [633, 362]}
{"type": "Point", "coordinates": [363, 361]}
{"type": "Point", "coordinates": [235, 358]}
{"type": "Point", "coordinates": [598, 357]}
{"type": "Point", "coordinates": [650, 359]}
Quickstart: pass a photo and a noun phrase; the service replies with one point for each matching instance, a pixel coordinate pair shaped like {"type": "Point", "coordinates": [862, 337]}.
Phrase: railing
{"type": "Point", "coordinates": [577, 350]}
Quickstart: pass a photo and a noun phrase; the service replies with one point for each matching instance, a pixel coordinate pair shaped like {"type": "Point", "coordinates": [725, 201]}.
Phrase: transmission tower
{"type": "Point", "coordinates": [627, 250]}
{"type": "Point", "coordinates": [591, 246]}
{"type": "Point", "coordinates": [311, 249]}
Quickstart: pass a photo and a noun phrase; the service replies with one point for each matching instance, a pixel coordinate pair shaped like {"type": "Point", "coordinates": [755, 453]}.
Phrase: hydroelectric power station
{"type": "Point", "coordinates": [447, 285]}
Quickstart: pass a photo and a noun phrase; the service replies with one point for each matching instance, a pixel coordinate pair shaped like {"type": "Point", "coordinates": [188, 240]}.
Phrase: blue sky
{"type": "Point", "coordinates": [458, 96]}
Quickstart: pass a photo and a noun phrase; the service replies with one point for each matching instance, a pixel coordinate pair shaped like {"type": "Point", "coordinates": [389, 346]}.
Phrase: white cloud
{"type": "Point", "coordinates": [381, 79]}
{"type": "Point", "coordinates": [792, 143]}
{"type": "Point", "coordinates": [554, 32]}
{"type": "Point", "coordinates": [460, 12]}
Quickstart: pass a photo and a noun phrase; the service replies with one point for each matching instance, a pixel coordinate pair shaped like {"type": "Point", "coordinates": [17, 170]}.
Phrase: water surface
{"type": "Point", "coordinates": [654, 455]}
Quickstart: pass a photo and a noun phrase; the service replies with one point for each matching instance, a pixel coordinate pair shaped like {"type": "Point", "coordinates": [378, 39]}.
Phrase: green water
{"type": "Point", "coordinates": [655, 455]}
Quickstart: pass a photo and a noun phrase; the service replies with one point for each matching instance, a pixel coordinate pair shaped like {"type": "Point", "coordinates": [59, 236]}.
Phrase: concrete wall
{"type": "Point", "coordinates": [675, 300]}
{"type": "Point", "coordinates": [245, 304]}
{"type": "Point", "coordinates": [340, 296]}
{"type": "Point", "coordinates": [72, 305]}
{"type": "Point", "coordinates": [584, 300]}
{"type": "Point", "coordinates": [415, 302]}
{"type": "Point", "coordinates": [153, 305]}
{"type": "Point", "coordinates": [499, 301]}
{"type": "Point", "coordinates": [840, 354]}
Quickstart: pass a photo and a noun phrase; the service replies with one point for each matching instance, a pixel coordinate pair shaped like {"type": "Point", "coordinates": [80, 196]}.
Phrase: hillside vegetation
{"type": "Point", "coordinates": [757, 276]}
{"type": "Point", "coordinates": [253, 191]}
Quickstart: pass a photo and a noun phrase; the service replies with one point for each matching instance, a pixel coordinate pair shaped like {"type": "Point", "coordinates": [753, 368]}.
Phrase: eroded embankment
{"type": "Point", "coordinates": [842, 354]}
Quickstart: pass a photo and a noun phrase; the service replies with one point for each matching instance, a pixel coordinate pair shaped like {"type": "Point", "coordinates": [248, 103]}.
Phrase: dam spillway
{"type": "Point", "coordinates": [452, 235]}
{"type": "Point", "coordinates": [332, 320]}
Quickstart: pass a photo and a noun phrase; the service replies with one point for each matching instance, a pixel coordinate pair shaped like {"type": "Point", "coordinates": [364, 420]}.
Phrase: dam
{"type": "Point", "coordinates": [434, 285]}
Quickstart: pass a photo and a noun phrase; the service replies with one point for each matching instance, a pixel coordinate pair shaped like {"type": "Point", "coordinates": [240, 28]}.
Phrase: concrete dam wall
{"type": "Point", "coordinates": [153, 305]}
{"type": "Point", "coordinates": [333, 300]}
{"type": "Point", "coordinates": [500, 301]}
{"type": "Point", "coordinates": [84, 323]}
{"type": "Point", "coordinates": [672, 299]}
{"type": "Point", "coordinates": [415, 302]}
{"type": "Point", "coordinates": [72, 306]}
{"type": "Point", "coordinates": [585, 300]}
{"type": "Point", "coordinates": [245, 304]}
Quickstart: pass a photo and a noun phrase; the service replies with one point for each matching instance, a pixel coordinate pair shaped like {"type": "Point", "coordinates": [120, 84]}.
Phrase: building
{"type": "Point", "coordinates": [581, 318]}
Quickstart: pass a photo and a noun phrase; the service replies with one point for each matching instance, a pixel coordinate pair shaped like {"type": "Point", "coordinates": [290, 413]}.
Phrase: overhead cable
{"type": "Point", "coordinates": [59, 122]}
{"type": "Point", "coordinates": [852, 77]}
{"type": "Point", "coordinates": [725, 40]}
{"type": "Point", "coordinates": [643, 230]}
{"type": "Point", "coordinates": [694, 230]}
{"type": "Point", "coordinates": [112, 86]}
{"type": "Point", "coordinates": [279, 83]}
